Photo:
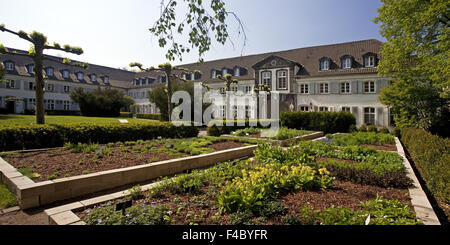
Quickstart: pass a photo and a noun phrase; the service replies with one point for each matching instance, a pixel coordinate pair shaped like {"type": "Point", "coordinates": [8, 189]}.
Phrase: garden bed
{"type": "Point", "coordinates": [278, 187]}
{"type": "Point", "coordinates": [79, 159]}
{"type": "Point", "coordinates": [378, 141]}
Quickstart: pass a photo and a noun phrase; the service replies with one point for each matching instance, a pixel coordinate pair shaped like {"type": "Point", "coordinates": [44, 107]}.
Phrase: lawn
{"type": "Point", "coordinates": [9, 120]}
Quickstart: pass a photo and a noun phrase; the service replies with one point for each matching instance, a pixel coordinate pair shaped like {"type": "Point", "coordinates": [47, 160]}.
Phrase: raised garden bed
{"type": "Point", "coordinates": [283, 136]}
{"type": "Point", "coordinates": [277, 187]}
{"type": "Point", "coordinates": [379, 141]}
{"type": "Point", "coordinates": [79, 159]}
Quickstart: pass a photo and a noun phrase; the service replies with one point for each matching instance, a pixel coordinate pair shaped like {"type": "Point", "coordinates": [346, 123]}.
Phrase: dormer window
{"type": "Point", "coordinates": [93, 78]}
{"type": "Point", "coordinates": [65, 74]}
{"type": "Point", "coordinates": [30, 68]}
{"type": "Point", "coordinates": [213, 73]}
{"type": "Point", "coordinates": [346, 62]}
{"type": "Point", "coordinates": [106, 79]}
{"type": "Point", "coordinates": [80, 76]}
{"type": "Point", "coordinates": [324, 65]}
{"type": "Point", "coordinates": [9, 66]}
{"type": "Point", "coordinates": [369, 61]}
{"type": "Point", "coordinates": [138, 82]}
{"type": "Point", "coordinates": [49, 72]}
{"type": "Point", "coordinates": [162, 79]}
{"type": "Point", "coordinates": [237, 71]}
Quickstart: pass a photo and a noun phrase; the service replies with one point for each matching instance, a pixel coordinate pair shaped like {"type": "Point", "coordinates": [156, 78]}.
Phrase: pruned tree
{"type": "Point", "coordinates": [228, 81]}
{"type": "Point", "coordinates": [171, 75]}
{"type": "Point", "coordinates": [258, 89]}
{"type": "Point", "coordinates": [200, 22]}
{"type": "Point", "coordinates": [36, 53]}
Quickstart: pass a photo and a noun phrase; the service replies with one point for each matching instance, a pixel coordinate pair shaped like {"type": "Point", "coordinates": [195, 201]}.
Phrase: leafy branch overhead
{"type": "Point", "coordinates": [200, 23]}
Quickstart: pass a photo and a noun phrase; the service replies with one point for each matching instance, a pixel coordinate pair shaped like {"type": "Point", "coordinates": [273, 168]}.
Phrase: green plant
{"type": "Point", "coordinates": [7, 199]}
{"type": "Point", "coordinates": [384, 130]}
{"type": "Point", "coordinates": [135, 192]}
{"type": "Point", "coordinates": [328, 122]}
{"type": "Point", "coordinates": [240, 218]}
{"type": "Point", "coordinates": [26, 171]}
{"type": "Point", "coordinates": [85, 172]}
{"type": "Point", "coordinates": [363, 128]}
{"type": "Point", "coordinates": [153, 116]}
{"type": "Point", "coordinates": [271, 208]}
{"type": "Point", "coordinates": [80, 147]}
{"type": "Point", "coordinates": [290, 219]}
{"type": "Point", "coordinates": [53, 176]}
{"type": "Point", "coordinates": [372, 128]}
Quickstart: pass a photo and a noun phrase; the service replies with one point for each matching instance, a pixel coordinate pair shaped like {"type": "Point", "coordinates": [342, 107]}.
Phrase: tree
{"type": "Point", "coordinates": [159, 97]}
{"type": "Point", "coordinates": [200, 22]}
{"type": "Point", "coordinates": [36, 53]}
{"type": "Point", "coordinates": [2, 72]}
{"type": "Point", "coordinates": [101, 102]}
{"type": "Point", "coordinates": [228, 80]}
{"type": "Point", "coordinates": [417, 56]}
{"type": "Point", "coordinates": [171, 77]}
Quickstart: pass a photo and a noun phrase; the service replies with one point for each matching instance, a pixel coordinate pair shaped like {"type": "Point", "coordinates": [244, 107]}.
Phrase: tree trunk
{"type": "Point", "coordinates": [169, 96]}
{"type": "Point", "coordinates": [39, 79]}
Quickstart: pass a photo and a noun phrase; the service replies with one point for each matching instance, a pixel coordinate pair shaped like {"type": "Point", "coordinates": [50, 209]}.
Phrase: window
{"type": "Point", "coordinates": [10, 84]}
{"type": "Point", "coordinates": [345, 108]}
{"type": "Point", "coordinates": [324, 88]}
{"type": "Point", "coordinates": [369, 115]}
{"type": "Point", "coordinates": [80, 76]}
{"type": "Point", "coordinates": [266, 78]}
{"type": "Point", "coordinates": [248, 89]}
{"type": "Point", "coordinates": [369, 61]}
{"type": "Point", "coordinates": [213, 74]}
{"type": "Point", "coordinates": [347, 63]}
{"type": "Point", "coordinates": [50, 87]}
{"type": "Point", "coordinates": [49, 72]}
{"type": "Point", "coordinates": [9, 66]}
{"type": "Point", "coordinates": [323, 108]}
{"type": "Point", "coordinates": [237, 71]}
{"type": "Point", "coordinates": [224, 72]}
{"type": "Point", "coordinates": [106, 79]}
{"type": "Point", "coordinates": [248, 111]}
{"type": "Point", "coordinates": [50, 104]}
{"type": "Point", "coordinates": [345, 88]}
{"type": "Point", "coordinates": [222, 111]}
{"type": "Point", "coordinates": [282, 79]}
{"type": "Point", "coordinates": [93, 78]}
{"type": "Point", "coordinates": [234, 89]}
{"type": "Point", "coordinates": [65, 73]}
{"type": "Point", "coordinates": [304, 88]}
{"type": "Point", "coordinates": [162, 79]}
{"type": "Point", "coordinates": [235, 111]}
{"type": "Point", "coordinates": [66, 89]}
{"type": "Point", "coordinates": [324, 65]}
{"type": "Point", "coordinates": [31, 103]}
{"type": "Point", "coordinates": [222, 90]}
{"type": "Point", "coordinates": [31, 86]}
{"type": "Point", "coordinates": [369, 87]}
{"type": "Point", "coordinates": [304, 108]}
{"type": "Point", "coordinates": [30, 68]}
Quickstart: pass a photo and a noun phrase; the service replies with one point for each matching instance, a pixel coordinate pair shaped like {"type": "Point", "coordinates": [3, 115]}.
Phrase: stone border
{"type": "Point", "coordinates": [31, 194]}
{"type": "Point", "coordinates": [282, 143]}
{"type": "Point", "coordinates": [421, 204]}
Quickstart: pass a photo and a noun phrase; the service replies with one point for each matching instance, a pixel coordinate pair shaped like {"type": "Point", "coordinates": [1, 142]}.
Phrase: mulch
{"type": "Point", "coordinates": [70, 163]}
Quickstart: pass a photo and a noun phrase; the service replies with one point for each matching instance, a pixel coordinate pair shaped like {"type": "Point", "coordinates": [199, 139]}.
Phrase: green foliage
{"type": "Point", "coordinates": [363, 128]}
{"type": "Point", "coordinates": [135, 192]}
{"type": "Point", "coordinates": [416, 54]}
{"type": "Point", "coordinates": [328, 122]}
{"type": "Point", "coordinates": [431, 154]}
{"type": "Point", "coordinates": [246, 131]}
{"type": "Point", "coordinates": [360, 138]}
{"type": "Point", "coordinates": [54, 176]}
{"type": "Point", "coordinates": [7, 199]}
{"type": "Point", "coordinates": [287, 133]}
{"type": "Point", "coordinates": [271, 208]}
{"type": "Point", "coordinates": [380, 210]}
{"type": "Point", "coordinates": [28, 172]}
{"type": "Point", "coordinates": [153, 116]}
{"type": "Point", "coordinates": [219, 127]}
{"type": "Point", "coordinates": [81, 147]}
{"type": "Point", "coordinates": [241, 218]}
{"type": "Point", "coordinates": [372, 128]}
{"type": "Point", "coordinates": [101, 102]}
{"type": "Point", "coordinates": [384, 130]}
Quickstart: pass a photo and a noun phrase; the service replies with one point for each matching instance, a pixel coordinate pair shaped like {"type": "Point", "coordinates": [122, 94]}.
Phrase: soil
{"type": "Point", "coordinates": [343, 194]}
{"type": "Point", "coordinates": [68, 163]}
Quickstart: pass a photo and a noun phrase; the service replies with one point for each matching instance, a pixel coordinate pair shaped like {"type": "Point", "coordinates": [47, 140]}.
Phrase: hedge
{"type": "Point", "coordinates": [126, 114]}
{"type": "Point", "coordinates": [45, 136]}
{"type": "Point", "coordinates": [153, 116]}
{"type": "Point", "coordinates": [214, 130]}
{"type": "Point", "coordinates": [431, 154]}
{"type": "Point", "coordinates": [328, 122]}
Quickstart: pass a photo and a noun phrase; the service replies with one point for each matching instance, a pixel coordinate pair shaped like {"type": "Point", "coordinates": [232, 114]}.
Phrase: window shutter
{"type": "Point", "coordinates": [354, 87]}
{"type": "Point", "coordinates": [331, 108]}
{"type": "Point", "coordinates": [334, 87]}
{"type": "Point", "coordinates": [311, 88]}
{"type": "Point", "coordinates": [316, 108]}
{"type": "Point", "coordinates": [316, 88]}
{"type": "Point", "coordinates": [18, 84]}
{"type": "Point", "coordinates": [379, 115]}
{"type": "Point", "coordinates": [355, 113]}
{"type": "Point", "coordinates": [360, 87]}
{"type": "Point", "coordinates": [377, 86]}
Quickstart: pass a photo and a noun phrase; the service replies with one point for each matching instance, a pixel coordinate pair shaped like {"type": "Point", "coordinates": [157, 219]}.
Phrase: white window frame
{"type": "Point", "coordinates": [304, 108]}
{"type": "Point", "coordinates": [50, 104]}
{"type": "Point", "coordinates": [237, 71]}
{"type": "Point", "coordinates": [248, 89]}
{"type": "Point", "coordinates": [324, 65]}
{"type": "Point", "coordinates": [94, 78]}
{"type": "Point", "coordinates": [266, 80]}
{"type": "Point", "coordinates": [66, 73]}
{"type": "Point", "coordinates": [222, 111]}
{"type": "Point", "coordinates": [369, 114]}
{"type": "Point", "coordinates": [248, 111]}
{"type": "Point", "coordinates": [222, 90]}
{"type": "Point", "coordinates": [346, 108]}
{"type": "Point", "coordinates": [322, 88]}
{"type": "Point", "coordinates": [282, 75]}
{"type": "Point", "coordinates": [80, 76]}
{"type": "Point", "coordinates": [49, 72]}
{"type": "Point", "coordinates": [234, 88]}
{"type": "Point", "coordinates": [50, 87]}
{"type": "Point", "coordinates": [9, 66]}
{"type": "Point", "coordinates": [10, 84]}
{"type": "Point", "coordinates": [30, 69]}
{"type": "Point", "coordinates": [66, 89]}
{"type": "Point", "coordinates": [213, 74]}
{"type": "Point", "coordinates": [323, 108]}
{"type": "Point", "coordinates": [370, 61]}
{"type": "Point", "coordinates": [347, 63]}
{"type": "Point", "coordinates": [304, 88]}
{"type": "Point", "coordinates": [345, 87]}
{"type": "Point", "coordinates": [368, 89]}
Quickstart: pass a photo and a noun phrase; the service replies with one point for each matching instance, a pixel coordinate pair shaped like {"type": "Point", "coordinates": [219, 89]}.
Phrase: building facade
{"type": "Point", "coordinates": [337, 77]}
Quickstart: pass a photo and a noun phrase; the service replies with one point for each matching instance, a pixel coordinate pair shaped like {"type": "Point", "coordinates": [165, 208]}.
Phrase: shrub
{"type": "Point", "coordinates": [397, 132]}
{"type": "Point", "coordinates": [126, 114]}
{"type": "Point", "coordinates": [372, 128]}
{"type": "Point", "coordinates": [58, 113]}
{"type": "Point", "coordinates": [363, 128]}
{"type": "Point", "coordinates": [153, 116]}
{"type": "Point", "coordinates": [431, 154]}
{"type": "Point", "coordinates": [328, 122]}
{"type": "Point", "coordinates": [216, 130]}
{"type": "Point", "coordinates": [384, 130]}
{"type": "Point", "coordinates": [42, 136]}
{"type": "Point", "coordinates": [352, 128]}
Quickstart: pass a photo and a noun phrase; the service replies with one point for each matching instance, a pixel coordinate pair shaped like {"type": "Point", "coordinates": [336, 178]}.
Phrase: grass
{"type": "Point", "coordinates": [7, 199]}
{"type": "Point", "coordinates": [11, 120]}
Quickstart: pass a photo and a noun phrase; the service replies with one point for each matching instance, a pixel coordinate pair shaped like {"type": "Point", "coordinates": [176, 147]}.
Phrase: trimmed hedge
{"type": "Point", "coordinates": [44, 136]}
{"type": "Point", "coordinates": [213, 130]}
{"type": "Point", "coordinates": [431, 154]}
{"type": "Point", "coordinates": [153, 116]}
{"type": "Point", "coordinates": [126, 114]}
{"type": "Point", "coordinates": [328, 122]}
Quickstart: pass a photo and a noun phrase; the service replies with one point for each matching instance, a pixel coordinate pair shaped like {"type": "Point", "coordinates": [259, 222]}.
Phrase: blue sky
{"type": "Point", "coordinates": [115, 33]}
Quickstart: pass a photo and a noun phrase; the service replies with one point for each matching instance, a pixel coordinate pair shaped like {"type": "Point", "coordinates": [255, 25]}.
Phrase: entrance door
{"type": "Point", "coordinates": [11, 105]}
